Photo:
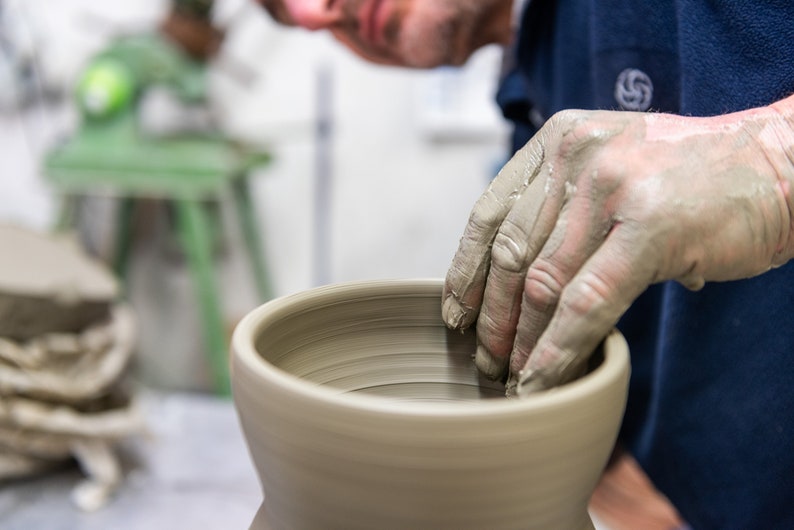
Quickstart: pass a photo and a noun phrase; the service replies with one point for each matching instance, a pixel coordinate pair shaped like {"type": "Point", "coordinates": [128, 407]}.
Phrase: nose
{"type": "Point", "coordinates": [314, 14]}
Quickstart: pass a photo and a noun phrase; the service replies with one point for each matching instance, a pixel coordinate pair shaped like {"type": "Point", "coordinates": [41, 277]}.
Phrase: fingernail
{"type": "Point", "coordinates": [530, 381]}
{"type": "Point", "coordinates": [490, 366]}
{"type": "Point", "coordinates": [453, 313]}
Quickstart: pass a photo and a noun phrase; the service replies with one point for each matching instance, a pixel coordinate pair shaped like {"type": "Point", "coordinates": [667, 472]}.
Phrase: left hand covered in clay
{"type": "Point", "coordinates": [598, 206]}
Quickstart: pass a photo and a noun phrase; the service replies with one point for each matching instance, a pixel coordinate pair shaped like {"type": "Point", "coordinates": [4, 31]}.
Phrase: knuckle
{"type": "Point", "coordinates": [485, 215]}
{"type": "Point", "coordinates": [554, 358]}
{"type": "Point", "coordinates": [606, 178]}
{"type": "Point", "coordinates": [510, 251]}
{"type": "Point", "coordinates": [566, 117]}
{"type": "Point", "coordinates": [543, 285]}
{"type": "Point", "coordinates": [580, 131]}
{"type": "Point", "coordinates": [589, 295]}
{"type": "Point", "coordinates": [552, 363]}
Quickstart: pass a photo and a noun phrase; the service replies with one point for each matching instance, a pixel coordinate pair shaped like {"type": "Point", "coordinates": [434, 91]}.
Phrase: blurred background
{"type": "Point", "coordinates": [383, 189]}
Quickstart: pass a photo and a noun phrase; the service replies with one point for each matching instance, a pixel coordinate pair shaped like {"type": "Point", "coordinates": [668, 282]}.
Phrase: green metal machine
{"type": "Point", "coordinates": [110, 153]}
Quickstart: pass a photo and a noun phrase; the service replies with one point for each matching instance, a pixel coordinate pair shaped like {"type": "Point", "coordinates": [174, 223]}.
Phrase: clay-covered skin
{"type": "Point", "coordinates": [598, 206]}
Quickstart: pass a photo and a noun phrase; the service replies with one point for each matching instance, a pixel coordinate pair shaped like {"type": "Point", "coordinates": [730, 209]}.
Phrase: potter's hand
{"type": "Point", "coordinates": [598, 206]}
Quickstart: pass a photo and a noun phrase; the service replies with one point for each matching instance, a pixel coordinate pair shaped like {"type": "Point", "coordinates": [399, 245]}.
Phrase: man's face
{"type": "Point", "coordinates": [417, 33]}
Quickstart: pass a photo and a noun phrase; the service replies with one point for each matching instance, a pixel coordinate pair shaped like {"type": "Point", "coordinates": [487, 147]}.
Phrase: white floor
{"type": "Point", "coordinates": [190, 470]}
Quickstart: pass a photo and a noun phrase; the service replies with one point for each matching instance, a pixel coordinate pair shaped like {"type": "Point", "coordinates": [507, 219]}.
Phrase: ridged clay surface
{"type": "Point", "coordinates": [362, 410]}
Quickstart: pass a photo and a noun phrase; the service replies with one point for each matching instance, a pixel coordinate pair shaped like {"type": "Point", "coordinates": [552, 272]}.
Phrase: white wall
{"type": "Point", "coordinates": [404, 175]}
{"type": "Point", "coordinates": [411, 152]}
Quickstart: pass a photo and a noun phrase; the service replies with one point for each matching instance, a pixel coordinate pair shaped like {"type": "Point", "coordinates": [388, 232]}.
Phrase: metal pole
{"type": "Point", "coordinates": [323, 177]}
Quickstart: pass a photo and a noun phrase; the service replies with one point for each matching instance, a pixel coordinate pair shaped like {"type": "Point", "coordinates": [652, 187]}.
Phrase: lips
{"type": "Point", "coordinates": [372, 19]}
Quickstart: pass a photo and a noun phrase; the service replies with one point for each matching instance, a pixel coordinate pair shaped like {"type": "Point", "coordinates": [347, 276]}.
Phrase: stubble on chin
{"type": "Point", "coordinates": [423, 45]}
{"type": "Point", "coordinates": [442, 32]}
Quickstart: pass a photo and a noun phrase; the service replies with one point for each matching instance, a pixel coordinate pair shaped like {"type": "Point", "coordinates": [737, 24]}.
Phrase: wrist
{"type": "Point", "coordinates": [777, 139]}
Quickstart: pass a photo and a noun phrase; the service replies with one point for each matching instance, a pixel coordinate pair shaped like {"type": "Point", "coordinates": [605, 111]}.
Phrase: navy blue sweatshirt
{"type": "Point", "coordinates": [710, 415]}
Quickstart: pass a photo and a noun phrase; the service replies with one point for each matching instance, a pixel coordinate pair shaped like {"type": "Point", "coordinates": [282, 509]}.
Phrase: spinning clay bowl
{"type": "Point", "coordinates": [362, 411]}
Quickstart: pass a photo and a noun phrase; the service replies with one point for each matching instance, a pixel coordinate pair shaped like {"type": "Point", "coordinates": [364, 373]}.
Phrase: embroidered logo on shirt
{"type": "Point", "coordinates": [633, 90]}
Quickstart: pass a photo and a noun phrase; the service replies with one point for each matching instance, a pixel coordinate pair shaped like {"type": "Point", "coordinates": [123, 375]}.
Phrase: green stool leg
{"type": "Point", "coordinates": [194, 231]}
{"type": "Point", "coordinates": [248, 223]}
{"type": "Point", "coordinates": [67, 213]}
{"type": "Point", "coordinates": [123, 240]}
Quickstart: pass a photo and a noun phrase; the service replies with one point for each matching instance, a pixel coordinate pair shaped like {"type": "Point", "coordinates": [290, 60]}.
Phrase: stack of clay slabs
{"type": "Point", "coordinates": [65, 345]}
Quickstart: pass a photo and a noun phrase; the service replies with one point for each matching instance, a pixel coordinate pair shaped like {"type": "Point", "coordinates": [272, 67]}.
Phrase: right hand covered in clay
{"type": "Point", "coordinates": [600, 205]}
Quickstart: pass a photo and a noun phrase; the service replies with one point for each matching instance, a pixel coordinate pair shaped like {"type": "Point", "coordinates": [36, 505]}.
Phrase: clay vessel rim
{"type": "Point", "coordinates": [248, 330]}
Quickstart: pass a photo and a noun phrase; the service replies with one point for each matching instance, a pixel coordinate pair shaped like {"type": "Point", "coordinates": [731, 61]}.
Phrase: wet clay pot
{"type": "Point", "coordinates": [362, 411]}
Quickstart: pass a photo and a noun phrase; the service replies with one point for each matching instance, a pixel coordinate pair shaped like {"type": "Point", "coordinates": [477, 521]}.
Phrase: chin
{"type": "Point", "coordinates": [425, 53]}
{"type": "Point", "coordinates": [428, 45]}
{"type": "Point", "coordinates": [430, 60]}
